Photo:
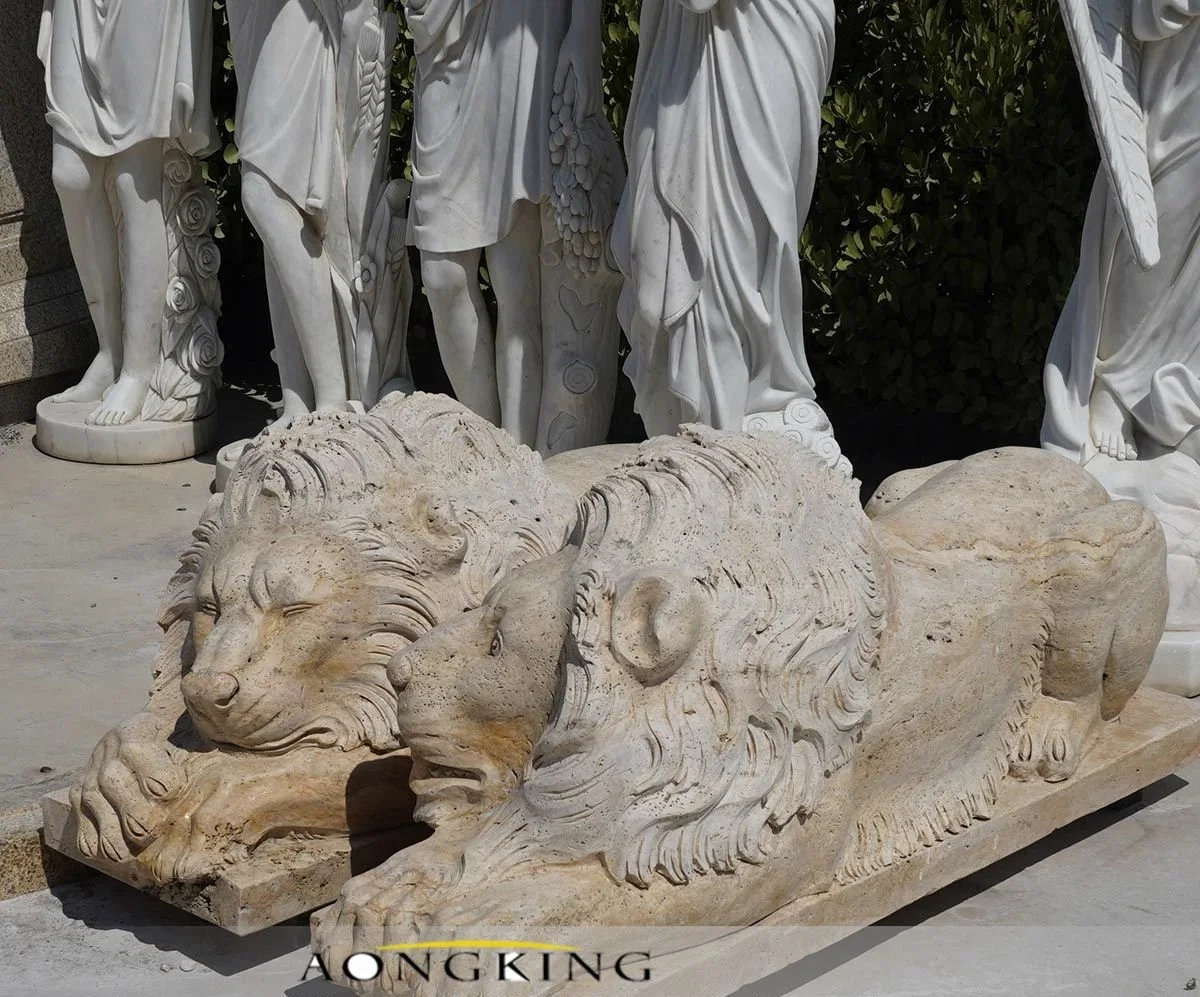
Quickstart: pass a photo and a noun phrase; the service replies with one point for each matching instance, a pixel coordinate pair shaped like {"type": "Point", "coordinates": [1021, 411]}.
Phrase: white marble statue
{"type": "Point", "coordinates": [512, 157]}
{"type": "Point", "coordinates": [127, 90]}
{"type": "Point", "coordinates": [313, 122]}
{"type": "Point", "coordinates": [722, 141]}
{"type": "Point", "coordinates": [1122, 378]}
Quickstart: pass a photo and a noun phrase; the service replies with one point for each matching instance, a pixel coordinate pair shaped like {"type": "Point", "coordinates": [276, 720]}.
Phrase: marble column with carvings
{"type": "Point", "coordinates": [45, 333]}
{"type": "Point", "coordinates": [1122, 378]}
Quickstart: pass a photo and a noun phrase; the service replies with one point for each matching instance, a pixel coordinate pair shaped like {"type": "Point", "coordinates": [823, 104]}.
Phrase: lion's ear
{"type": "Point", "coordinates": [442, 526]}
{"type": "Point", "coordinates": [658, 618]}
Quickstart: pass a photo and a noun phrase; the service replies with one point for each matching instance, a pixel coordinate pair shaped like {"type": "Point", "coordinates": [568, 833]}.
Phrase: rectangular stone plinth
{"type": "Point", "coordinates": [1157, 734]}
{"type": "Point", "coordinates": [1176, 665]}
{"type": "Point", "coordinates": [282, 880]}
{"type": "Point", "coordinates": [26, 864]}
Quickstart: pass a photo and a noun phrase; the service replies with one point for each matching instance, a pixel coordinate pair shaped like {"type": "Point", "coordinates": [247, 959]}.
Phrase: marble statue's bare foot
{"type": "Point", "coordinates": [289, 414]}
{"type": "Point", "coordinates": [122, 403]}
{"type": "Point", "coordinates": [100, 376]}
{"type": "Point", "coordinates": [1057, 735]}
{"type": "Point", "coordinates": [1111, 424]}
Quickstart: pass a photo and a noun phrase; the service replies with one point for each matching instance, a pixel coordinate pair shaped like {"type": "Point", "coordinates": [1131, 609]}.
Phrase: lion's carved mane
{"type": "Point", "coordinates": [741, 739]}
{"type": "Point", "coordinates": [438, 504]}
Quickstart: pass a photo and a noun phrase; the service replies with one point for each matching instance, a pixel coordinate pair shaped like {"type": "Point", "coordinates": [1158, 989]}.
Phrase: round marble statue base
{"type": "Point", "coordinates": [227, 458]}
{"type": "Point", "coordinates": [62, 433]}
{"type": "Point", "coordinates": [1176, 665]}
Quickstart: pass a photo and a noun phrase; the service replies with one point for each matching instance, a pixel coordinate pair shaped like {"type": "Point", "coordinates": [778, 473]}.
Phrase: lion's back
{"type": "Point", "coordinates": [1009, 499]}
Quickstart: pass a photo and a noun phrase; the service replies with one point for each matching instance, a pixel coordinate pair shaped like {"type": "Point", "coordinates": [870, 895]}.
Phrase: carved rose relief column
{"type": "Point", "coordinates": [722, 144]}
{"type": "Point", "coordinates": [1122, 377]}
{"type": "Point", "coordinates": [512, 156]}
{"type": "Point", "coordinates": [127, 87]}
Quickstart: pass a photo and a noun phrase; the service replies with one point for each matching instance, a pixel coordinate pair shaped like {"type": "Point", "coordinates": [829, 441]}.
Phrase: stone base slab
{"type": "Point", "coordinates": [281, 880]}
{"type": "Point", "coordinates": [26, 864]}
{"type": "Point", "coordinates": [1157, 734]}
{"type": "Point", "coordinates": [227, 458]}
{"type": "Point", "coordinates": [1176, 665]}
{"type": "Point", "coordinates": [62, 433]}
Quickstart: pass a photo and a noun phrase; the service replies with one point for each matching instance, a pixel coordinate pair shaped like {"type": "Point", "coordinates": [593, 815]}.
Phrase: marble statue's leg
{"type": "Point", "coordinates": [294, 379]}
{"type": "Point", "coordinates": [138, 180]}
{"type": "Point", "coordinates": [302, 273]}
{"type": "Point", "coordinates": [464, 328]}
{"type": "Point", "coordinates": [516, 278]}
{"type": "Point", "coordinates": [92, 231]}
{"type": "Point", "coordinates": [660, 408]}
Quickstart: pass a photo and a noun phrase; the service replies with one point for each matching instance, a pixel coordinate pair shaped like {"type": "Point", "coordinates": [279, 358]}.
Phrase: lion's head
{"type": "Point", "coordinates": [474, 695]}
{"type": "Point", "coordinates": [339, 540]}
{"type": "Point", "coordinates": [726, 606]}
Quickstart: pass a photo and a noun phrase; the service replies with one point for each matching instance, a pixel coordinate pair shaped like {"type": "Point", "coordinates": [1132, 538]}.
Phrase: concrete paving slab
{"type": "Point", "coordinates": [85, 554]}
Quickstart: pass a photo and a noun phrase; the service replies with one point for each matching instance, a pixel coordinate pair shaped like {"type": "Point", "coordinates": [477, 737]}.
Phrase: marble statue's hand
{"type": "Point", "coordinates": [581, 52]}
{"type": "Point", "coordinates": [127, 790]}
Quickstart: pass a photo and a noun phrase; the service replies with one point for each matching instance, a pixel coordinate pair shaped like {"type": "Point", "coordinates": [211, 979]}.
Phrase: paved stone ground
{"type": "Point", "coordinates": [85, 553]}
{"type": "Point", "coordinates": [1108, 906]}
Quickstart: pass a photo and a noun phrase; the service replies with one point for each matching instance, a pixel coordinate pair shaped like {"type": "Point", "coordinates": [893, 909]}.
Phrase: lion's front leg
{"type": "Point", "coordinates": [238, 800]}
{"type": "Point", "coordinates": [132, 781]}
{"type": "Point", "coordinates": [391, 904]}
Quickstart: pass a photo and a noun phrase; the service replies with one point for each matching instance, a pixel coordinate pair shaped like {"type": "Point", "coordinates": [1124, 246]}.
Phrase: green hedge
{"type": "Point", "coordinates": [956, 164]}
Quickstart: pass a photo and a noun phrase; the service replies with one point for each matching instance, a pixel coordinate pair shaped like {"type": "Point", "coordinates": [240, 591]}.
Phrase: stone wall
{"type": "Point", "coordinates": [45, 334]}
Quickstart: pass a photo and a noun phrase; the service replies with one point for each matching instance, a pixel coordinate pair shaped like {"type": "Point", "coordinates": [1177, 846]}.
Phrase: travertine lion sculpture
{"type": "Point", "coordinates": [339, 539]}
{"type": "Point", "coordinates": [733, 688]}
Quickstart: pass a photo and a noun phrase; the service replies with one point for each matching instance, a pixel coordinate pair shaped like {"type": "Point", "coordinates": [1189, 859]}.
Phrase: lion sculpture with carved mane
{"type": "Point", "coordinates": [339, 539]}
{"type": "Point", "coordinates": [748, 691]}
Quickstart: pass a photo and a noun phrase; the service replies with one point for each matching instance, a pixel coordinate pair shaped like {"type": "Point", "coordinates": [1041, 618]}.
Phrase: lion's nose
{"type": "Point", "coordinates": [217, 688]}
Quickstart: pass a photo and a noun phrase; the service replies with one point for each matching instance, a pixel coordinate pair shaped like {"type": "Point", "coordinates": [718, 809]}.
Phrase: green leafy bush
{"type": "Point", "coordinates": [956, 164]}
{"type": "Point", "coordinates": [957, 161]}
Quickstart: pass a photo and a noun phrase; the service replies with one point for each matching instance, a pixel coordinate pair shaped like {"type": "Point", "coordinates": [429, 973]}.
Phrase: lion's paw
{"type": "Point", "coordinates": [1057, 734]}
{"type": "Point", "coordinates": [125, 794]}
{"type": "Point", "coordinates": [363, 920]}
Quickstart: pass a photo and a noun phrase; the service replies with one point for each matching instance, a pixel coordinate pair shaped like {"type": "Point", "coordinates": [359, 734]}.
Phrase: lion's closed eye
{"type": "Point", "coordinates": [296, 608]}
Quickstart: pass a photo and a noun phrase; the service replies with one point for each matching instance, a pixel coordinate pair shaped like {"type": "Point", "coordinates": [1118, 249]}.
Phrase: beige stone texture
{"type": "Point", "coordinates": [26, 863]}
{"type": "Point", "coordinates": [733, 690]}
{"type": "Point", "coordinates": [336, 541]}
{"type": "Point", "coordinates": [281, 880]}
